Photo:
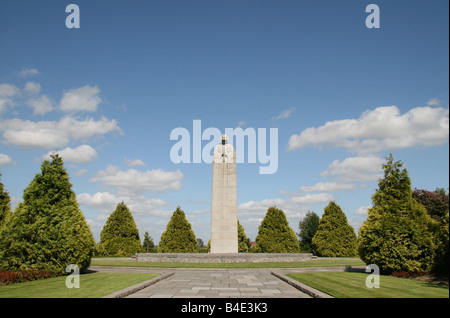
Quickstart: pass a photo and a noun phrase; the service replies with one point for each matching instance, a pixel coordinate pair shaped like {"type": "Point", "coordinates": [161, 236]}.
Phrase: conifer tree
{"type": "Point", "coordinates": [275, 235]}
{"type": "Point", "coordinates": [396, 235]}
{"type": "Point", "coordinates": [334, 236]}
{"type": "Point", "coordinates": [242, 239]}
{"type": "Point", "coordinates": [5, 208]}
{"type": "Point", "coordinates": [179, 236]}
{"type": "Point", "coordinates": [120, 236]}
{"type": "Point", "coordinates": [47, 231]}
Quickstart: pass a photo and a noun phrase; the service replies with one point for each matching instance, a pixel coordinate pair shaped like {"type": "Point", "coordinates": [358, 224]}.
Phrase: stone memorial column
{"type": "Point", "coordinates": [224, 236]}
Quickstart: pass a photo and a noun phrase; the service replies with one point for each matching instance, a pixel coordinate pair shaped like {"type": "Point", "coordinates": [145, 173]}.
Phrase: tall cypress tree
{"type": "Point", "coordinates": [334, 236]}
{"type": "Point", "coordinates": [48, 230]}
{"type": "Point", "coordinates": [396, 235]}
{"type": "Point", "coordinates": [5, 208]}
{"type": "Point", "coordinates": [179, 236]}
{"type": "Point", "coordinates": [120, 236]}
{"type": "Point", "coordinates": [275, 235]}
{"type": "Point", "coordinates": [242, 239]}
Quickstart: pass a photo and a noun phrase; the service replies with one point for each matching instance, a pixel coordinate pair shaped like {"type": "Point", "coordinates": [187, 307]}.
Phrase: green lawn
{"type": "Point", "coordinates": [352, 285]}
{"type": "Point", "coordinates": [92, 285]}
{"type": "Point", "coordinates": [315, 263]}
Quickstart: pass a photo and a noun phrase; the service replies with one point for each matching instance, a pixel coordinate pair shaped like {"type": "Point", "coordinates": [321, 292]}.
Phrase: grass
{"type": "Point", "coordinates": [92, 285]}
{"type": "Point", "coordinates": [352, 285]}
{"type": "Point", "coordinates": [315, 263]}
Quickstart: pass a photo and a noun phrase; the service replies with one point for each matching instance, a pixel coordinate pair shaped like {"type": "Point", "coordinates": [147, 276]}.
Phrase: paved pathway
{"type": "Point", "coordinates": [220, 283]}
{"type": "Point", "coordinates": [212, 283]}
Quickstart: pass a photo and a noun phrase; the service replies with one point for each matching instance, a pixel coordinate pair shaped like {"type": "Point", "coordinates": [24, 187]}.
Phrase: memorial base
{"type": "Point", "coordinates": [223, 258]}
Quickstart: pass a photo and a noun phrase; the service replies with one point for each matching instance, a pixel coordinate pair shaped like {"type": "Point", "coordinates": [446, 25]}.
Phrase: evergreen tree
{"type": "Point", "coordinates": [243, 241]}
{"type": "Point", "coordinates": [396, 235]}
{"type": "Point", "coordinates": [48, 230]}
{"type": "Point", "coordinates": [179, 236]}
{"type": "Point", "coordinates": [5, 208]}
{"type": "Point", "coordinates": [441, 259]}
{"type": "Point", "coordinates": [120, 236]}
{"type": "Point", "coordinates": [334, 236]}
{"type": "Point", "coordinates": [148, 242]}
{"type": "Point", "coordinates": [275, 235]}
{"type": "Point", "coordinates": [308, 228]}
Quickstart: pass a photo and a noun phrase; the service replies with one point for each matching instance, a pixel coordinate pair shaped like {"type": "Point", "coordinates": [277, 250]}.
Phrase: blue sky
{"type": "Point", "coordinates": [108, 94]}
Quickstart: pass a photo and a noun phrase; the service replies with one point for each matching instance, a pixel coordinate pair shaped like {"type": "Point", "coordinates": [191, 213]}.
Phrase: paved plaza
{"type": "Point", "coordinates": [217, 283]}
{"type": "Point", "coordinates": [220, 283]}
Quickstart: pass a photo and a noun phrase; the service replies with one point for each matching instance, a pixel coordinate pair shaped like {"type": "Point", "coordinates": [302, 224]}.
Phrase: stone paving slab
{"type": "Point", "coordinates": [229, 283]}
{"type": "Point", "coordinates": [222, 283]}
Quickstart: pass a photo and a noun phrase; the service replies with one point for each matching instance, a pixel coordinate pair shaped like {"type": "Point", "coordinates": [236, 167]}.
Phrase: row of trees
{"type": "Point", "coordinates": [404, 231]}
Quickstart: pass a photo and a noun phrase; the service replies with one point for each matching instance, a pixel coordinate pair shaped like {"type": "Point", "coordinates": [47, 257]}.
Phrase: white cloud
{"type": "Point", "coordinates": [28, 72]}
{"type": "Point", "coordinates": [6, 160]}
{"type": "Point", "coordinates": [313, 198]}
{"type": "Point", "coordinates": [381, 129]}
{"type": "Point", "coordinates": [258, 208]}
{"type": "Point", "coordinates": [134, 163]}
{"type": "Point", "coordinates": [40, 105]}
{"type": "Point", "coordinates": [32, 88]}
{"type": "Point", "coordinates": [362, 210]}
{"type": "Point", "coordinates": [7, 92]}
{"type": "Point", "coordinates": [434, 102]}
{"type": "Point", "coordinates": [284, 114]}
{"type": "Point", "coordinates": [80, 154]}
{"type": "Point", "coordinates": [103, 202]}
{"type": "Point", "coordinates": [329, 187]}
{"type": "Point", "coordinates": [81, 99]}
{"type": "Point", "coordinates": [365, 168]}
{"type": "Point", "coordinates": [294, 206]}
{"type": "Point", "coordinates": [133, 182]}
{"type": "Point", "coordinates": [81, 172]}
{"type": "Point", "coordinates": [144, 207]}
{"type": "Point", "coordinates": [54, 134]}
{"type": "Point", "coordinates": [106, 202]}
{"type": "Point", "coordinates": [242, 123]}
{"type": "Point", "coordinates": [83, 129]}
{"type": "Point", "coordinates": [29, 134]}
